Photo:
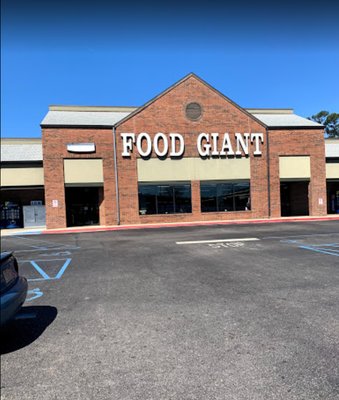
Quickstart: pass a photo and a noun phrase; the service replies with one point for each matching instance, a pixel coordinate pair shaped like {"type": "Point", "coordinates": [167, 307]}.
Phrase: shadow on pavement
{"type": "Point", "coordinates": [28, 325]}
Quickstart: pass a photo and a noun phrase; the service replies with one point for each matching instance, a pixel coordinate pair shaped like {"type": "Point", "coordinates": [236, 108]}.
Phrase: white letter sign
{"type": "Point", "coordinates": [127, 143]}
{"type": "Point", "coordinates": [156, 144]}
{"type": "Point", "coordinates": [174, 137]}
{"type": "Point", "coordinates": [148, 150]}
{"type": "Point", "coordinates": [256, 137]}
{"type": "Point", "coordinates": [208, 144]}
{"type": "Point", "coordinates": [204, 150]}
{"type": "Point", "coordinates": [242, 143]}
{"type": "Point", "coordinates": [226, 148]}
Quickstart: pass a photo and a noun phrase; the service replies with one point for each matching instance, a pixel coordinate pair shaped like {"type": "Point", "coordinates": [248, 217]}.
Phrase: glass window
{"type": "Point", "coordinates": [225, 196]}
{"type": "Point", "coordinates": [208, 197]}
{"type": "Point", "coordinates": [182, 199]}
{"type": "Point", "coordinates": [147, 199]}
{"type": "Point", "coordinates": [164, 198]}
{"type": "Point", "coordinates": [241, 196]}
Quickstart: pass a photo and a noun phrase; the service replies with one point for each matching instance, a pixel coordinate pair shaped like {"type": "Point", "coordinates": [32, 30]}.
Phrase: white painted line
{"type": "Point", "coordinates": [219, 241]}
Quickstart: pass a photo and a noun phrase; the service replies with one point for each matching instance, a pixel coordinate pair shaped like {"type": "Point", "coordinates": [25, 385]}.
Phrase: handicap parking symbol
{"type": "Point", "coordinates": [34, 294]}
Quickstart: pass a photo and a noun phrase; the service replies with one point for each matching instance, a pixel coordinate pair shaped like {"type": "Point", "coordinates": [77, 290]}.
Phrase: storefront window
{"type": "Point", "coordinates": [208, 195]}
{"type": "Point", "coordinates": [148, 199]}
{"type": "Point", "coordinates": [241, 193]}
{"type": "Point", "coordinates": [225, 196]}
{"type": "Point", "coordinates": [182, 199]}
{"type": "Point", "coordinates": [164, 198]}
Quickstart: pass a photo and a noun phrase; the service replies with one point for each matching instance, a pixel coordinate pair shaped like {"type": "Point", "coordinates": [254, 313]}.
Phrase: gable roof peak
{"type": "Point", "coordinates": [180, 81]}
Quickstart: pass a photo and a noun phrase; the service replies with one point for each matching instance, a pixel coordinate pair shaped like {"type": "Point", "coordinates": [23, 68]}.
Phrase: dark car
{"type": "Point", "coordinates": [13, 288]}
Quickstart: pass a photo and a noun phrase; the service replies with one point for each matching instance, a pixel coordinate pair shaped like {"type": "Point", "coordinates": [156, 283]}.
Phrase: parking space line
{"type": "Point", "coordinates": [44, 259]}
{"type": "Point", "coordinates": [327, 244]}
{"type": "Point", "coordinates": [62, 270]}
{"type": "Point", "coordinates": [300, 236]}
{"type": "Point", "coordinates": [219, 241]}
{"type": "Point", "coordinates": [319, 250]}
{"type": "Point", "coordinates": [40, 270]}
{"type": "Point", "coordinates": [44, 275]}
{"type": "Point", "coordinates": [44, 244]}
{"type": "Point", "coordinates": [47, 249]}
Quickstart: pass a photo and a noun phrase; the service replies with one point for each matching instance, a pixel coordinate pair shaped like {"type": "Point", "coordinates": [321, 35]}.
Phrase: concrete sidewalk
{"type": "Point", "coordinates": [23, 231]}
{"type": "Point", "coordinates": [103, 228]}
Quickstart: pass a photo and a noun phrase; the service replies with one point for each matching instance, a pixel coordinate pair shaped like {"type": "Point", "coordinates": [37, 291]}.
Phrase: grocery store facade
{"type": "Point", "coordinates": [190, 154]}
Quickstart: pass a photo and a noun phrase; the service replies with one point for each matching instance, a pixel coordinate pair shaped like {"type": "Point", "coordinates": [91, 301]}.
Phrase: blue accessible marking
{"type": "Point", "coordinates": [40, 270]}
{"type": "Point", "coordinates": [63, 268]}
{"type": "Point", "coordinates": [331, 249]}
{"type": "Point", "coordinates": [35, 293]}
{"type": "Point", "coordinates": [44, 274]}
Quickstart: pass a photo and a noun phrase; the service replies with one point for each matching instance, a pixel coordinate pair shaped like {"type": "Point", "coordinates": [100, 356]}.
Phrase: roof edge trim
{"type": "Point", "coordinates": [92, 108]}
{"type": "Point", "coordinates": [270, 110]}
{"type": "Point", "coordinates": [47, 126]}
{"type": "Point", "coordinates": [295, 127]}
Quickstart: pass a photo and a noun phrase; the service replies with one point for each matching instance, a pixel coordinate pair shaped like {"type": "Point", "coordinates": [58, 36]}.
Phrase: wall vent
{"type": "Point", "coordinates": [193, 111]}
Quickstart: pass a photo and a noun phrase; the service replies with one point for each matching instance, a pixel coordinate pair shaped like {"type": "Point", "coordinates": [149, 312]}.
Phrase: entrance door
{"type": "Point", "coordinates": [82, 206]}
{"type": "Point", "coordinates": [294, 198]}
{"type": "Point", "coordinates": [34, 216]}
{"type": "Point", "coordinates": [333, 197]}
{"type": "Point", "coordinates": [29, 216]}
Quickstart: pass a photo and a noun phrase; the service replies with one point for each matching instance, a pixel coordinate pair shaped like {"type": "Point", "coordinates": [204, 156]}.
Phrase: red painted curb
{"type": "Point", "coordinates": [184, 224]}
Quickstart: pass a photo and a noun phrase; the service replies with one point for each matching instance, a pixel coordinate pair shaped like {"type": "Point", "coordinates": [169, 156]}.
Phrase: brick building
{"type": "Point", "coordinates": [190, 154]}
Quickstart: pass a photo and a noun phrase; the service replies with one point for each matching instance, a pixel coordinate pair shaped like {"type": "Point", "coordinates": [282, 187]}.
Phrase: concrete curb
{"type": "Point", "coordinates": [90, 229]}
{"type": "Point", "coordinates": [21, 232]}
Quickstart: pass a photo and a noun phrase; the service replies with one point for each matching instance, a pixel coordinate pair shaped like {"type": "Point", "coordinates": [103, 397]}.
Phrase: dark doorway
{"type": "Point", "coordinates": [12, 201]}
{"type": "Point", "coordinates": [82, 206]}
{"type": "Point", "coordinates": [333, 197]}
{"type": "Point", "coordinates": [294, 198]}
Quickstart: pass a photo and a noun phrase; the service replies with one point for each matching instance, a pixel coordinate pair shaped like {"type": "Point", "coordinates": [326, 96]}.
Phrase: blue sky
{"type": "Point", "coordinates": [260, 54]}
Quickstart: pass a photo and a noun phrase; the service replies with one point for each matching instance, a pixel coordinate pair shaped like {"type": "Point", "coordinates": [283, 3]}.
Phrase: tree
{"type": "Point", "coordinates": [330, 121]}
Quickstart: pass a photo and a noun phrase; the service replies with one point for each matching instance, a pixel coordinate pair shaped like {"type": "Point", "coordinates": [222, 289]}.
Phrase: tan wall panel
{"type": "Point", "coordinates": [190, 169]}
{"type": "Point", "coordinates": [83, 171]}
{"type": "Point", "coordinates": [22, 176]}
{"type": "Point", "coordinates": [332, 171]}
{"type": "Point", "coordinates": [295, 167]}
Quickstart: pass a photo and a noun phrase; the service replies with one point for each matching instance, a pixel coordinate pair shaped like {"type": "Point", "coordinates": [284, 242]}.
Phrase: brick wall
{"type": "Point", "coordinates": [54, 141]}
{"type": "Point", "coordinates": [167, 114]}
{"type": "Point", "coordinates": [299, 143]}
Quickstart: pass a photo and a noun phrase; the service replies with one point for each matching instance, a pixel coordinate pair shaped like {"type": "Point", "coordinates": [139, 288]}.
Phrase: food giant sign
{"type": "Point", "coordinates": [208, 144]}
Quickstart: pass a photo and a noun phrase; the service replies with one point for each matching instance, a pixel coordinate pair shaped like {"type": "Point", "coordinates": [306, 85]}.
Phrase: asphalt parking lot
{"type": "Point", "coordinates": [219, 312]}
